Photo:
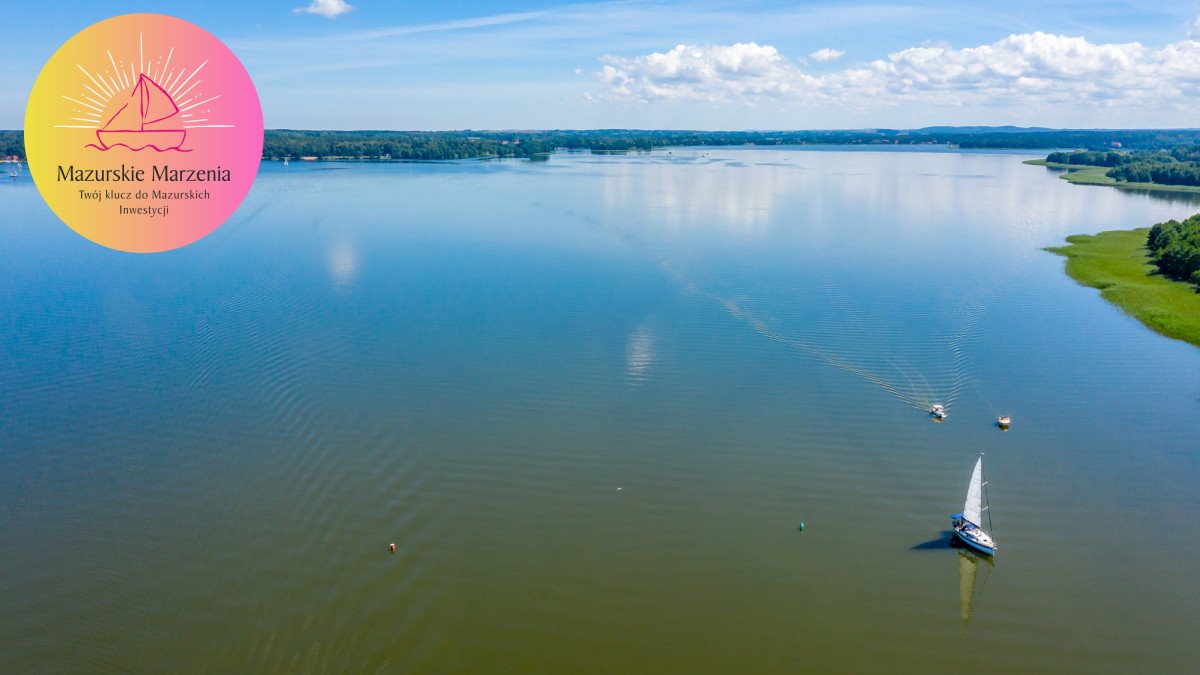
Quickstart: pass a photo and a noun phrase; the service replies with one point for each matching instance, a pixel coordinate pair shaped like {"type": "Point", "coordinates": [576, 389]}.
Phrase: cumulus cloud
{"type": "Point", "coordinates": [709, 73]}
{"type": "Point", "coordinates": [327, 8]}
{"type": "Point", "coordinates": [826, 55]}
{"type": "Point", "coordinates": [1050, 68]}
{"type": "Point", "coordinates": [1039, 64]}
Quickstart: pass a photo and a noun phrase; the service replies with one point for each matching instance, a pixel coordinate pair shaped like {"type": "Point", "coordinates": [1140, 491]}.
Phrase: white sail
{"type": "Point", "coordinates": [973, 508]}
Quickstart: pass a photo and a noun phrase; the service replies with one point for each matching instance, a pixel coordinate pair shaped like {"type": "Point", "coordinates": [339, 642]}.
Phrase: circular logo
{"type": "Point", "coordinates": [143, 133]}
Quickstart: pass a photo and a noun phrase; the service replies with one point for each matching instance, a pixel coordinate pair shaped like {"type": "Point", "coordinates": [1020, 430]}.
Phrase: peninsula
{"type": "Point", "coordinates": [1133, 269]}
{"type": "Point", "coordinates": [1174, 169]}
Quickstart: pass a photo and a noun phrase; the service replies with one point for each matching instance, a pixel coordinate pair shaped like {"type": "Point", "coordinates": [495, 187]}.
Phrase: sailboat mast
{"type": "Point", "coordinates": [983, 490]}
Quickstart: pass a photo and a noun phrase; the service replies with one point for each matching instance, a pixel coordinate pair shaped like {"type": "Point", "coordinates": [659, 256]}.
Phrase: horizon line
{"type": "Point", "coordinates": [982, 127]}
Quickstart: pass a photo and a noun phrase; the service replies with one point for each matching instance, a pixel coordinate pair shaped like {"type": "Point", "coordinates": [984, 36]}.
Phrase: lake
{"type": "Point", "coordinates": [590, 400]}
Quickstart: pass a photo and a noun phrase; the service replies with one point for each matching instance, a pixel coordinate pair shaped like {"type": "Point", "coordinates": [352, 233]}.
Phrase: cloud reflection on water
{"type": "Point", "coordinates": [686, 193]}
{"type": "Point", "coordinates": [342, 263]}
{"type": "Point", "coordinates": [639, 355]}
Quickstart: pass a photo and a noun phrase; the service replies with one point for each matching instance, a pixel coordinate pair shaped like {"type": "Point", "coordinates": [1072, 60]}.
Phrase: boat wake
{"type": "Point", "coordinates": [846, 340]}
{"type": "Point", "coordinates": [859, 333]}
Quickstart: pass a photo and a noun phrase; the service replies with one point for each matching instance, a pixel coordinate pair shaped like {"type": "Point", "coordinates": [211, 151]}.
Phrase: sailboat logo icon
{"type": "Point", "coordinates": [149, 119]}
{"type": "Point", "coordinates": [139, 102]}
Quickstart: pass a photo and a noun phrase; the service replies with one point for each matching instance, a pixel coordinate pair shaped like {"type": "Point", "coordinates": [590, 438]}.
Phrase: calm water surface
{"type": "Point", "coordinates": [590, 400]}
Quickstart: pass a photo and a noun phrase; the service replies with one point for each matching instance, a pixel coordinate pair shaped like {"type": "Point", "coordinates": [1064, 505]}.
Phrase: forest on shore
{"type": "Point", "coordinates": [466, 144]}
{"type": "Point", "coordinates": [1175, 166]}
{"type": "Point", "coordinates": [1175, 249]}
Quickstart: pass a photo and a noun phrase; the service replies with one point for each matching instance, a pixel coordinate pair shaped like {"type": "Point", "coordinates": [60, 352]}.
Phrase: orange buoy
{"type": "Point", "coordinates": [393, 548]}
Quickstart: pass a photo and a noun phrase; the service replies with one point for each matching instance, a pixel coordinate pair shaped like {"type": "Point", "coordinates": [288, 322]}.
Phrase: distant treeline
{"type": "Point", "coordinates": [1178, 166]}
{"type": "Point", "coordinates": [465, 144]}
{"type": "Point", "coordinates": [1175, 248]}
{"type": "Point", "coordinates": [401, 145]}
{"type": "Point", "coordinates": [12, 143]}
{"type": "Point", "coordinates": [468, 144]}
{"type": "Point", "coordinates": [1088, 158]}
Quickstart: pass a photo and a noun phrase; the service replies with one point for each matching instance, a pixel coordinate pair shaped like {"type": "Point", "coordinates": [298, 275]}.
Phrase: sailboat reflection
{"type": "Point", "coordinates": [968, 570]}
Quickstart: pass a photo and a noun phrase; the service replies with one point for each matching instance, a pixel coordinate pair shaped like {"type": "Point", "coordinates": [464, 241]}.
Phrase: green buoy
{"type": "Point", "coordinates": [802, 526]}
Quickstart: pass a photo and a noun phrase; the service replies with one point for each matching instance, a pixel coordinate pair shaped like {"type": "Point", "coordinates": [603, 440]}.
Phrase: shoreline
{"type": "Point", "coordinates": [1082, 174]}
{"type": "Point", "coordinates": [1118, 265]}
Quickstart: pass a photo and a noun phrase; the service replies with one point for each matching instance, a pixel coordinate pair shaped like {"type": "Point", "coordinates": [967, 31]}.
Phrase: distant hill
{"type": "Point", "coordinates": [981, 130]}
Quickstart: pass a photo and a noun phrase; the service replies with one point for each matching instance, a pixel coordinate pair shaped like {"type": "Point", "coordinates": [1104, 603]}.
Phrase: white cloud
{"type": "Point", "coordinates": [492, 21]}
{"type": "Point", "coordinates": [326, 8]}
{"type": "Point", "coordinates": [1040, 67]}
{"type": "Point", "coordinates": [711, 73]}
{"type": "Point", "coordinates": [826, 55]}
{"type": "Point", "coordinates": [1196, 27]}
{"type": "Point", "coordinates": [1050, 67]}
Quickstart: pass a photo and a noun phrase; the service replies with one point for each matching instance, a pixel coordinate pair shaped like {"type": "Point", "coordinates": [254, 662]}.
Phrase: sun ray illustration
{"type": "Point", "coordinates": [189, 77]}
{"type": "Point", "coordinates": [95, 93]}
{"type": "Point", "coordinates": [200, 103]}
{"type": "Point", "coordinates": [141, 106]}
{"type": "Point", "coordinates": [185, 91]}
{"type": "Point", "coordinates": [108, 94]}
{"type": "Point", "coordinates": [120, 83]}
{"type": "Point", "coordinates": [169, 85]}
{"type": "Point", "coordinates": [163, 70]}
{"type": "Point", "coordinates": [82, 103]}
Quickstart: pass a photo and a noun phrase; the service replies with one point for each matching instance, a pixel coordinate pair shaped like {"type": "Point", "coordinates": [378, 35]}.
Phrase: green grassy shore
{"type": "Point", "coordinates": [1118, 264]}
{"type": "Point", "coordinates": [1094, 175]}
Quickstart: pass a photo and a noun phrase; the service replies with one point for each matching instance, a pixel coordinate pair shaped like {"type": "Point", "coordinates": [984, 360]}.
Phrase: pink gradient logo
{"type": "Point", "coordinates": [144, 132]}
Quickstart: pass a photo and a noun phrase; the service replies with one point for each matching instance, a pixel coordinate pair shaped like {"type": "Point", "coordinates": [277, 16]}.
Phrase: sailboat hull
{"type": "Point", "coordinates": [139, 140]}
{"type": "Point", "coordinates": [970, 535]}
{"type": "Point", "coordinates": [982, 548]}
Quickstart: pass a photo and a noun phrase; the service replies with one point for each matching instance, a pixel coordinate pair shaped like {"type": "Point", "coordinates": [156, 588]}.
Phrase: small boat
{"type": "Point", "coordinates": [1004, 421]}
{"type": "Point", "coordinates": [938, 411]}
{"type": "Point", "coordinates": [968, 525]}
{"type": "Point", "coordinates": [285, 161]}
{"type": "Point", "coordinates": [15, 171]}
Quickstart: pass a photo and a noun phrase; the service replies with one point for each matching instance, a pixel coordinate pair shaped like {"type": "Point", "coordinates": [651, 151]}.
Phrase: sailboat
{"type": "Point", "coordinates": [149, 119]}
{"type": "Point", "coordinates": [16, 170]}
{"type": "Point", "coordinates": [968, 525]}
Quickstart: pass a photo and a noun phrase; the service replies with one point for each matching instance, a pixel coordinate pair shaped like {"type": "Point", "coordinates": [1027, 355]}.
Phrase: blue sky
{"type": "Point", "coordinates": [698, 65]}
